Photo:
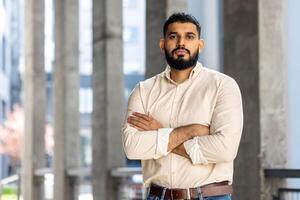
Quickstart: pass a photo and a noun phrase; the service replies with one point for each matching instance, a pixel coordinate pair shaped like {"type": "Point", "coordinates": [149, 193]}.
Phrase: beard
{"type": "Point", "coordinates": [180, 63]}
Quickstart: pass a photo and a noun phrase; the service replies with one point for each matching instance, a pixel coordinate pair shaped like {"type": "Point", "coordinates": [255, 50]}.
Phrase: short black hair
{"type": "Point", "coordinates": [182, 18]}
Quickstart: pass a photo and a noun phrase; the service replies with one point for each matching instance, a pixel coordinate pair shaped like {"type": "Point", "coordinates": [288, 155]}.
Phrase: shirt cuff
{"type": "Point", "coordinates": [163, 141]}
{"type": "Point", "coordinates": [193, 150]}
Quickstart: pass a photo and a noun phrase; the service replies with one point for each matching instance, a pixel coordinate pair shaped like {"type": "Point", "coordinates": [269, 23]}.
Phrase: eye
{"type": "Point", "coordinates": [171, 37]}
{"type": "Point", "coordinates": [190, 37]}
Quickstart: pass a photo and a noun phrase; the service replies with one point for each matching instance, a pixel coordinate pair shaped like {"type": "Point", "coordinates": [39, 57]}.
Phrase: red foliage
{"type": "Point", "coordinates": [12, 132]}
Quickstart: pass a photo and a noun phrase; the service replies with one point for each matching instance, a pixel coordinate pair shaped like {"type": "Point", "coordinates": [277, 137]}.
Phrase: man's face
{"type": "Point", "coordinates": [181, 45]}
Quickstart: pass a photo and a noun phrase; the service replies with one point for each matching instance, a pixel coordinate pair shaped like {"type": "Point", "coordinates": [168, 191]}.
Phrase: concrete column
{"type": "Point", "coordinates": [108, 94]}
{"type": "Point", "coordinates": [66, 98]}
{"type": "Point", "coordinates": [33, 156]}
{"type": "Point", "coordinates": [273, 91]}
{"type": "Point", "coordinates": [156, 14]}
{"type": "Point", "coordinates": [254, 54]}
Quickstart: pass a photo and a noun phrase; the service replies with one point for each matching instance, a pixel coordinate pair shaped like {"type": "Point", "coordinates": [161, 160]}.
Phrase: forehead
{"type": "Point", "coordinates": [182, 27]}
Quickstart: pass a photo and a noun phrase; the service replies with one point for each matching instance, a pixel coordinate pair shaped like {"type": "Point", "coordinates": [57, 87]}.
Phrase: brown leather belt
{"type": "Point", "coordinates": [213, 189]}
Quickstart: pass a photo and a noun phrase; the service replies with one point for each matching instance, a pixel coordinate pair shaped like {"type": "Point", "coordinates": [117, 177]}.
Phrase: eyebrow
{"type": "Point", "coordinates": [172, 33]}
{"type": "Point", "coordinates": [189, 33]}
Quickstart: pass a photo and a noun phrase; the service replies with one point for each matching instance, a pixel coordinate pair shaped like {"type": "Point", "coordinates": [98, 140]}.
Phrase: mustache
{"type": "Point", "coordinates": [181, 48]}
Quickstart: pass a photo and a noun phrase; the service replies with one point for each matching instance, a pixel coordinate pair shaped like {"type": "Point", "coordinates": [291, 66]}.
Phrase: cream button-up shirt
{"type": "Point", "coordinates": [207, 97]}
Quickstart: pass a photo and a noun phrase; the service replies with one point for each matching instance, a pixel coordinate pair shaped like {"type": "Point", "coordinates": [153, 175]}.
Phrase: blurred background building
{"type": "Point", "coordinates": [10, 53]}
{"type": "Point", "coordinates": [254, 42]}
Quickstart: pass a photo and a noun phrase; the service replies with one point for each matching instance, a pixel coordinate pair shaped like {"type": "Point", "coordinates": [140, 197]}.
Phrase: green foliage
{"type": "Point", "coordinates": [9, 193]}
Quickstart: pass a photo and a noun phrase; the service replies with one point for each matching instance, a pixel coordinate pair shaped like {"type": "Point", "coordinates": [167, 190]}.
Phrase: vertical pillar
{"type": "Point", "coordinates": [108, 94]}
{"type": "Point", "coordinates": [273, 90]}
{"type": "Point", "coordinates": [156, 14]}
{"type": "Point", "coordinates": [66, 98]}
{"type": "Point", "coordinates": [254, 55]}
{"type": "Point", "coordinates": [35, 100]}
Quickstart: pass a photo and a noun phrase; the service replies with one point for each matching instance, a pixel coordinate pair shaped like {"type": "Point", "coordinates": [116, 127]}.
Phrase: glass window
{"type": "Point", "coordinates": [85, 100]}
{"type": "Point", "coordinates": [131, 35]}
{"type": "Point", "coordinates": [130, 4]}
{"type": "Point", "coordinates": [85, 38]}
{"type": "Point", "coordinates": [2, 19]}
{"type": "Point", "coordinates": [293, 70]}
{"type": "Point", "coordinates": [3, 54]}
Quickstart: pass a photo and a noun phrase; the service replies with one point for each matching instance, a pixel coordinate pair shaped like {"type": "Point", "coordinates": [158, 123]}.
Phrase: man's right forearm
{"type": "Point", "coordinates": [181, 134]}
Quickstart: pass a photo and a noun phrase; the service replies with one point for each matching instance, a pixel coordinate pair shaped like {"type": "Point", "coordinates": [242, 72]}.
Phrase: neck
{"type": "Point", "coordinates": [180, 76]}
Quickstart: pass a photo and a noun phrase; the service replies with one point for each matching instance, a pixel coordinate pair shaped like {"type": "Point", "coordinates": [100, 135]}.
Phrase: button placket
{"type": "Point", "coordinates": [174, 108]}
{"type": "Point", "coordinates": [172, 123]}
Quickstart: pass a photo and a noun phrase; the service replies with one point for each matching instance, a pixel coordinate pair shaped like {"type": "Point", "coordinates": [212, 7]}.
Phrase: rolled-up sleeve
{"type": "Point", "coordinates": [221, 145]}
{"type": "Point", "coordinates": [143, 145]}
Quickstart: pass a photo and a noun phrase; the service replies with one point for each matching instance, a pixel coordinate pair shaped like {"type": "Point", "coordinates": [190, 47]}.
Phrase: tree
{"type": "Point", "coordinates": [12, 133]}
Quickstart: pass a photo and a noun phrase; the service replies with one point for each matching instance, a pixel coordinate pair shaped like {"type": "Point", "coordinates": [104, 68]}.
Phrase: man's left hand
{"type": "Point", "coordinates": [143, 122]}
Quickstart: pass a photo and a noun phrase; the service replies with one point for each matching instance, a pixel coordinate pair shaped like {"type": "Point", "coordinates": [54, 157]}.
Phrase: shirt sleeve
{"type": "Point", "coordinates": [143, 145]}
{"type": "Point", "coordinates": [221, 145]}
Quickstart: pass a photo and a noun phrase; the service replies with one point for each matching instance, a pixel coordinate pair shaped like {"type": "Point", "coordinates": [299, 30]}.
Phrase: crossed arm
{"type": "Point", "coordinates": [214, 144]}
{"type": "Point", "coordinates": [178, 136]}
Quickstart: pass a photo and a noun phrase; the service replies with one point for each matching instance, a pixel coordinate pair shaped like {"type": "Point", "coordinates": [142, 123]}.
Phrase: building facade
{"type": "Point", "coordinates": [10, 82]}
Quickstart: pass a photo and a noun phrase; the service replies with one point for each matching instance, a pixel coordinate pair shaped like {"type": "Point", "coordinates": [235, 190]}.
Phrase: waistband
{"type": "Point", "coordinates": [213, 189]}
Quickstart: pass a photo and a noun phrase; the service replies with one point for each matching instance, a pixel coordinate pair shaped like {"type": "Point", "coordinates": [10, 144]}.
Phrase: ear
{"type": "Point", "coordinates": [201, 45]}
{"type": "Point", "coordinates": [162, 45]}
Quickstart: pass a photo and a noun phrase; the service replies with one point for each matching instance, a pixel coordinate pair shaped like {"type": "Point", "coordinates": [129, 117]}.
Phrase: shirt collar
{"type": "Point", "coordinates": [194, 73]}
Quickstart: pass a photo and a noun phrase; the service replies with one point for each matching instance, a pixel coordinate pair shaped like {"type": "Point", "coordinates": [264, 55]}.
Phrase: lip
{"type": "Point", "coordinates": [180, 52]}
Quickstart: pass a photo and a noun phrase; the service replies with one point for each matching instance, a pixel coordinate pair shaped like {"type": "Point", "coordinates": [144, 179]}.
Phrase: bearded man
{"type": "Point", "coordinates": [185, 123]}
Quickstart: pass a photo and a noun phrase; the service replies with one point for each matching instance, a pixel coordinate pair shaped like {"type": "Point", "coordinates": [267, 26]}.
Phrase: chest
{"type": "Point", "coordinates": [181, 105]}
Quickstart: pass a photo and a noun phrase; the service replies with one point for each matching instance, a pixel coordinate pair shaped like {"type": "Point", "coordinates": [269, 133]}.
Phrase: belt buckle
{"type": "Point", "coordinates": [187, 191]}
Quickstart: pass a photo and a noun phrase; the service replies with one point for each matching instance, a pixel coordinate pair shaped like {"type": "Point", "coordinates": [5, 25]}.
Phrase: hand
{"type": "Point", "coordinates": [143, 122]}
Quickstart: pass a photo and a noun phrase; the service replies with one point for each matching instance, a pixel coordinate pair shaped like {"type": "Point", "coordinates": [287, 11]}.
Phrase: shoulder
{"type": "Point", "coordinates": [148, 83]}
{"type": "Point", "coordinates": [219, 79]}
{"type": "Point", "coordinates": [143, 87]}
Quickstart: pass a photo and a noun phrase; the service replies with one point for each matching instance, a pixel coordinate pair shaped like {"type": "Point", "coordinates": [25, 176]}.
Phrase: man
{"type": "Point", "coordinates": [185, 123]}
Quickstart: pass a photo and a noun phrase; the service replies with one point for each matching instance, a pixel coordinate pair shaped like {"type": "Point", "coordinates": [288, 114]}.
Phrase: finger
{"type": "Point", "coordinates": [137, 122]}
{"type": "Point", "coordinates": [143, 116]}
{"type": "Point", "coordinates": [139, 119]}
{"type": "Point", "coordinates": [150, 116]}
{"type": "Point", "coordinates": [139, 126]}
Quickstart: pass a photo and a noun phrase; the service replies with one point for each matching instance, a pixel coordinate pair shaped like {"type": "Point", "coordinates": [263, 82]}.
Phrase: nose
{"type": "Point", "coordinates": [180, 41]}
